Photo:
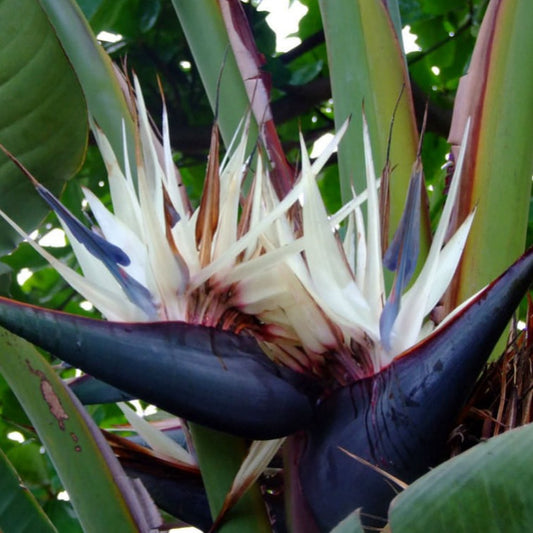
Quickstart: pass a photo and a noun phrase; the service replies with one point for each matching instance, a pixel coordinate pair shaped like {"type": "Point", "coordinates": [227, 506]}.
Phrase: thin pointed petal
{"type": "Point", "coordinates": [449, 259]}
{"type": "Point", "coordinates": [332, 279]}
{"type": "Point", "coordinates": [333, 144]}
{"type": "Point", "coordinates": [374, 288]}
{"type": "Point", "coordinates": [125, 202]}
{"type": "Point", "coordinates": [155, 438]}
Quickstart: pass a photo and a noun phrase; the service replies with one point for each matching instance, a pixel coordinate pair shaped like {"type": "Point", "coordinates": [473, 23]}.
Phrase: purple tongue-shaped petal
{"type": "Point", "coordinates": [402, 254]}
{"type": "Point", "coordinates": [399, 419]}
{"type": "Point", "coordinates": [205, 375]}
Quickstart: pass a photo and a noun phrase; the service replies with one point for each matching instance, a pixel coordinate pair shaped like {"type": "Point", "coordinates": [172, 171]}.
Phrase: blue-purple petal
{"type": "Point", "coordinates": [95, 244]}
{"type": "Point", "coordinates": [402, 255]}
{"type": "Point", "coordinates": [112, 256]}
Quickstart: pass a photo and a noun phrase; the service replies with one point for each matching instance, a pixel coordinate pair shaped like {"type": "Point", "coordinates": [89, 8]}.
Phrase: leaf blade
{"type": "Point", "coordinates": [497, 94]}
{"type": "Point", "coordinates": [48, 127]}
{"type": "Point", "coordinates": [66, 434]}
{"type": "Point", "coordinates": [483, 489]}
{"type": "Point", "coordinates": [19, 510]}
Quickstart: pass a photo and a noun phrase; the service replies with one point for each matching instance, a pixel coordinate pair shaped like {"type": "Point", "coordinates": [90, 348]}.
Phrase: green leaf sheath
{"type": "Point", "coordinates": [367, 66]}
{"type": "Point", "coordinates": [220, 456]}
{"type": "Point", "coordinates": [351, 524]}
{"type": "Point", "coordinates": [206, 34]}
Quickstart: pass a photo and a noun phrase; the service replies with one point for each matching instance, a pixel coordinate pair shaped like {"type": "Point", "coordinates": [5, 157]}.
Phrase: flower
{"type": "Point", "coordinates": [202, 286]}
{"type": "Point", "coordinates": [274, 268]}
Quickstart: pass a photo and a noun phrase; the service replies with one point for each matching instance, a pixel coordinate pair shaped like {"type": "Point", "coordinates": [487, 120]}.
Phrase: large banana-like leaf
{"type": "Point", "coordinates": [104, 498]}
{"type": "Point", "coordinates": [367, 65]}
{"type": "Point", "coordinates": [487, 488]}
{"type": "Point", "coordinates": [105, 99]}
{"type": "Point", "coordinates": [44, 117]}
{"type": "Point", "coordinates": [497, 94]}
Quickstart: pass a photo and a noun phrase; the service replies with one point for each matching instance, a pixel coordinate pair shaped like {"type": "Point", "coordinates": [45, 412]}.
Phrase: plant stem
{"type": "Point", "coordinates": [220, 455]}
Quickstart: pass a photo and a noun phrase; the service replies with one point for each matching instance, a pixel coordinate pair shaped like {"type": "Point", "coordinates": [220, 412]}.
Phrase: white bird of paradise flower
{"type": "Point", "coordinates": [316, 303]}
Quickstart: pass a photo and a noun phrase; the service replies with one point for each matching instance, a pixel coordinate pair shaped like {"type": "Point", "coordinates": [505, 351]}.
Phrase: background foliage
{"type": "Point", "coordinates": [154, 47]}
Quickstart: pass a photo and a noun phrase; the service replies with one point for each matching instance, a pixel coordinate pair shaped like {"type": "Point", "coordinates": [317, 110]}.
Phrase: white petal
{"type": "Point", "coordinates": [249, 239]}
{"type": "Point", "coordinates": [322, 159]}
{"type": "Point", "coordinates": [373, 288]}
{"type": "Point", "coordinates": [415, 302]}
{"type": "Point", "coordinates": [155, 438]}
{"type": "Point", "coordinates": [171, 174]}
{"type": "Point", "coordinates": [117, 233]}
{"type": "Point", "coordinates": [332, 279]}
{"type": "Point", "coordinates": [230, 191]}
{"type": "Point", "coordinates": [110, 300]}
{"type": "Point", "coordinates": [123, 196]}
{"type": "Point", "coordinates": [169, 274]}
{"type": "Point", "coordinates": [350, 206]}
{"type": "Point", "coordinates": [449, 259]}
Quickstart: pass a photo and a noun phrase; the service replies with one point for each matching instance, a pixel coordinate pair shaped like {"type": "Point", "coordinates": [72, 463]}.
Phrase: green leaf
{"type": "Point", "coordinates": [149, 13]}
{"type": "Point", "coordinates": [220, 456]}
{"type": "Point", "coordinates": [62, 516]}
{"type": "Point", "coordinates": [351, 524]}
{"type": "Point", "coordinates": [306, 73]}
{"type": "Point", "coordinates": [107, 501]}
{"type": "Point", "coordinates": [206, 34]}
{"type": "Point", "coordinates": [498, 94]}
{"type": "Point", "coordinates": [89, 7]}
{"type": "Point", "coordinates": [44, 118]}
{"type": "Point", "coordinates": [96, 74]}
{"type": "Point", "coordinates": [487, 488]}
{"type": "Point", "coordinates": [29, 463]}
{"type": "Point", "coordinates": [438, 7]}
{"type": "Point", "coordinates": [367, 66]}
{"type": "Point", "coordinates": [19, 510]}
